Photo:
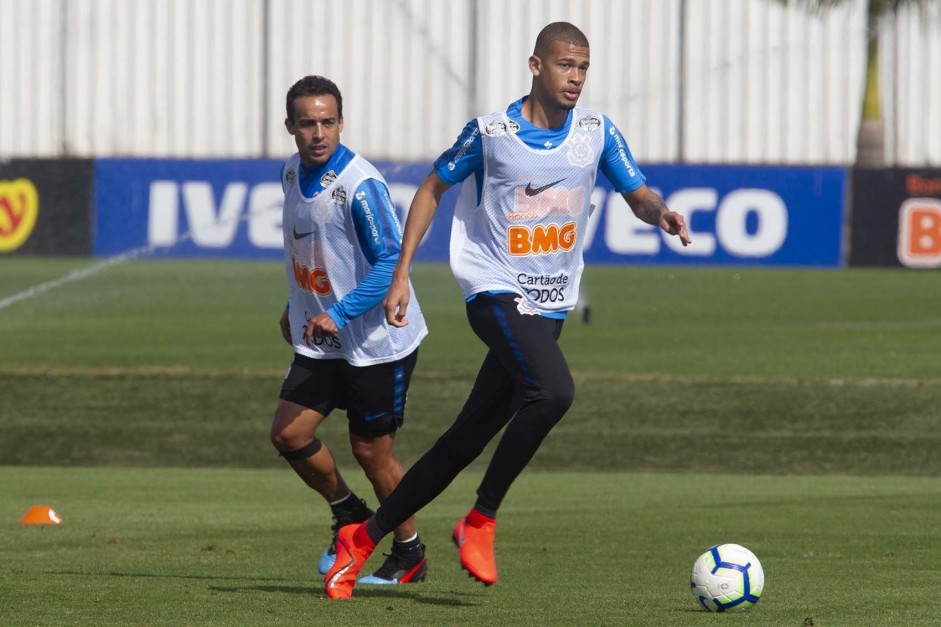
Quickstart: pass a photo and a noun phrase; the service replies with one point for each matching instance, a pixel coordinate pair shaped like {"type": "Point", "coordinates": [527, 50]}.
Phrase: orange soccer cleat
{"type": "Point", "coordinates": [360, 513]}
{"type": "Point", "coordinates": [353, 549]}
{"type": "Point", "coordinates": [474, 536]}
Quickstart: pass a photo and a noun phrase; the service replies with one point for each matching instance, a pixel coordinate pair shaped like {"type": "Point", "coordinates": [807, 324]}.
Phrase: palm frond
{"type": "Point", "coordinates": [877, 8]}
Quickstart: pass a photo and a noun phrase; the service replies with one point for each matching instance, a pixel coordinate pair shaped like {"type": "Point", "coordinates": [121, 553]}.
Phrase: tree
{"type": "Point", "coordinates": [870, 142]}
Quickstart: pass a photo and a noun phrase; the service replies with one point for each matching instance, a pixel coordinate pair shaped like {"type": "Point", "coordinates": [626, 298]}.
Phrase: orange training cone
{"type": "Point", "coordinates": [40, 515]}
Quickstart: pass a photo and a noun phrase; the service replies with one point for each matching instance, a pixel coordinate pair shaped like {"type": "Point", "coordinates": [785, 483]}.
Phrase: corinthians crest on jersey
{"type": "Point", "coordinates": [581, 152]}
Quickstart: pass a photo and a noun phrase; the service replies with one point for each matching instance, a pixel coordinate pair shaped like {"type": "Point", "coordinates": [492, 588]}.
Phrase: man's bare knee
{"type": "Point", "coordinates": [373, 454]}
{"type": "Point", "coordinates": [286, 438]}
{"type": "Point", "coordinates": [293, 426]}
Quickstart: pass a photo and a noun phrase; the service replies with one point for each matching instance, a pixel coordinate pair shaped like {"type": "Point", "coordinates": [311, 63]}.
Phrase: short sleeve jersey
{"type": "Point", "coordinates": [520, 220]}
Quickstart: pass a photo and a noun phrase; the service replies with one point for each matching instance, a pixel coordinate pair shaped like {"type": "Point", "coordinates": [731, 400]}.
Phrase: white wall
{"type": "Point", "coordinates": [401, 65]}
{"type": "Point", "coordinates": [768, 83]}
{"type": "Point", "coordinates": [758, 82]}
{"type": "Point", "coordinates": [911, 86]}
{"type": "Point", "coordinates": [31, 122]}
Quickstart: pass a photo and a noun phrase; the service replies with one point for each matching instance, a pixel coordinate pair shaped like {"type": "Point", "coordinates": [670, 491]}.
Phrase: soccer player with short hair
{"type": "Point", "coordinates": [527, 174]}
{"type": "Point", "coordinates": [341, 243]}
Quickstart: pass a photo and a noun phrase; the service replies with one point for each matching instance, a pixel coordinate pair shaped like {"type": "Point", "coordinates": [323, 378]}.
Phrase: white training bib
{"type": "Point", "coordinates": [324, 263]}
{"type": "Point", "coordinates": [527, 231]}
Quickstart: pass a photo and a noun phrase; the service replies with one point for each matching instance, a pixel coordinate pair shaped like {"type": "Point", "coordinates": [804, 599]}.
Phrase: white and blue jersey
{"type": "Point", "coordinates": [523, 209]}
{"type": "Point", "coordinates": [466, 156]}
{"type": "Point", "coordinates": [342, 239]}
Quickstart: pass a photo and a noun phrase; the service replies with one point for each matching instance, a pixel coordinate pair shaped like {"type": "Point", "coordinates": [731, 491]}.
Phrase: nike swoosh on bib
{"type": "Point", "coordinates": [532, 191]}
{"type": "Point", "coordinates": [302, 235]}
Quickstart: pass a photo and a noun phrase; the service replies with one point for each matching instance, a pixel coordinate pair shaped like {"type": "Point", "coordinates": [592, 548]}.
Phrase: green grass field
{"type": "Point", "coordinates": [793, 411]}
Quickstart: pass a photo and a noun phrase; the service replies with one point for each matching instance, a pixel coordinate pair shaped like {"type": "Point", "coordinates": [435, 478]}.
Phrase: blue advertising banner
{"type": "Point", "coordinates": [736, 215]}
{"type": "Point", "coordinates": [741, 215]}
{"type": "Point", "coordinates": [188, 208]}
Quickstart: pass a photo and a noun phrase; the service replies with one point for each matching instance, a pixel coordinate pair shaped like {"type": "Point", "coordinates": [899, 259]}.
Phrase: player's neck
{"type": "Point", "coordinates": [547, 115]}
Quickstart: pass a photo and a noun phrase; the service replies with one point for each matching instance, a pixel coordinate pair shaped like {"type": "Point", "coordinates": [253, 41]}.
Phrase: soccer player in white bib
{"type": "Point", "coordinates": [526, 176]}
{"type": "Point", "coordinates": [341, 242]}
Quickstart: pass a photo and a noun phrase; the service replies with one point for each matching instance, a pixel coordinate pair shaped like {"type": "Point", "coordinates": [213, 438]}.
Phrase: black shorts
{"type": "Point", "coordinates": [373, 396]}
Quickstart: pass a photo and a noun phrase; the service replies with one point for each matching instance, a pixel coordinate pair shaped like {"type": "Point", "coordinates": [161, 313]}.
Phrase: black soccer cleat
{"type": "Point", "coordinates": [400, 567]}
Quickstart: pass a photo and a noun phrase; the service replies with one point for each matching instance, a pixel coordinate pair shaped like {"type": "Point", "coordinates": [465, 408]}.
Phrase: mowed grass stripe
{"type": "Point", "coordinates": [578, 375]}
{"type": "Point", "coordinates": [722, 322]}
{"type": "Point", "coordinates": [616, 423]}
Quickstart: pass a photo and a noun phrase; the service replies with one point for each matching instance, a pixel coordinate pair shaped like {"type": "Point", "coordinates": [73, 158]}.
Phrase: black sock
{"type": "Point", "coordinates": [373, 531]}
{"type": "Point", "coordinates": [489, 512]}
{"type": "Point", "coordinates": [350, 508]}
{"type": "Point", "coordinates": [406, 547]}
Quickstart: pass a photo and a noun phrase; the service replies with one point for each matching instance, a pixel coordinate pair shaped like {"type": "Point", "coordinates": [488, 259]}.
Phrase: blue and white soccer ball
{"type": "Point", "coordinates": [727, 577]}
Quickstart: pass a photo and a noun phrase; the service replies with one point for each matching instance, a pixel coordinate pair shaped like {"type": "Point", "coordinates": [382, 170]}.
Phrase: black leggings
{"type": "Point", "coordinates": [524, 381]}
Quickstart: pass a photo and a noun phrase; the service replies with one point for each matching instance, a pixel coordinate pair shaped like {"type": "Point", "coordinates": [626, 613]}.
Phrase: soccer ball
{"type": "Point", "coordinates": [727, 577]}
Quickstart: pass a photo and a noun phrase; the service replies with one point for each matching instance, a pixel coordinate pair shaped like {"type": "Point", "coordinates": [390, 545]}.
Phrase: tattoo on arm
{"type": "Point", "coordinates": [650, 209]}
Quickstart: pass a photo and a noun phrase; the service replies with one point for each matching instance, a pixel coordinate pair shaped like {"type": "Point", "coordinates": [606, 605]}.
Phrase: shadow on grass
{"type": "Point", "coordinates": [87, 573]}
{"type": "Point", "coordinates": [389, 593]}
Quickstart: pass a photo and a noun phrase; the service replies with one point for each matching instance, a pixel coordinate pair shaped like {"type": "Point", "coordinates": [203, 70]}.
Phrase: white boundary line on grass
{"type": "Point", "coordinates": [89, 271]}
{"type": "Point", "coordinates": [71, 277]}
{"type": "Point", "coordinates": [92, 270]}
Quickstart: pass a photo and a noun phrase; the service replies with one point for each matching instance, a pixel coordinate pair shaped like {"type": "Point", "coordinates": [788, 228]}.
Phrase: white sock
{"type": "Point", "coordinates": [338, 501]}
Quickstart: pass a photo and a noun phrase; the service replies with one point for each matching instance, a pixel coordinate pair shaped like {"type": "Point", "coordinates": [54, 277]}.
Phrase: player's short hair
{"type": "Point", "coordinates": [313, 86]}
{"type": "Point", "coordinates": [559, 31]}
